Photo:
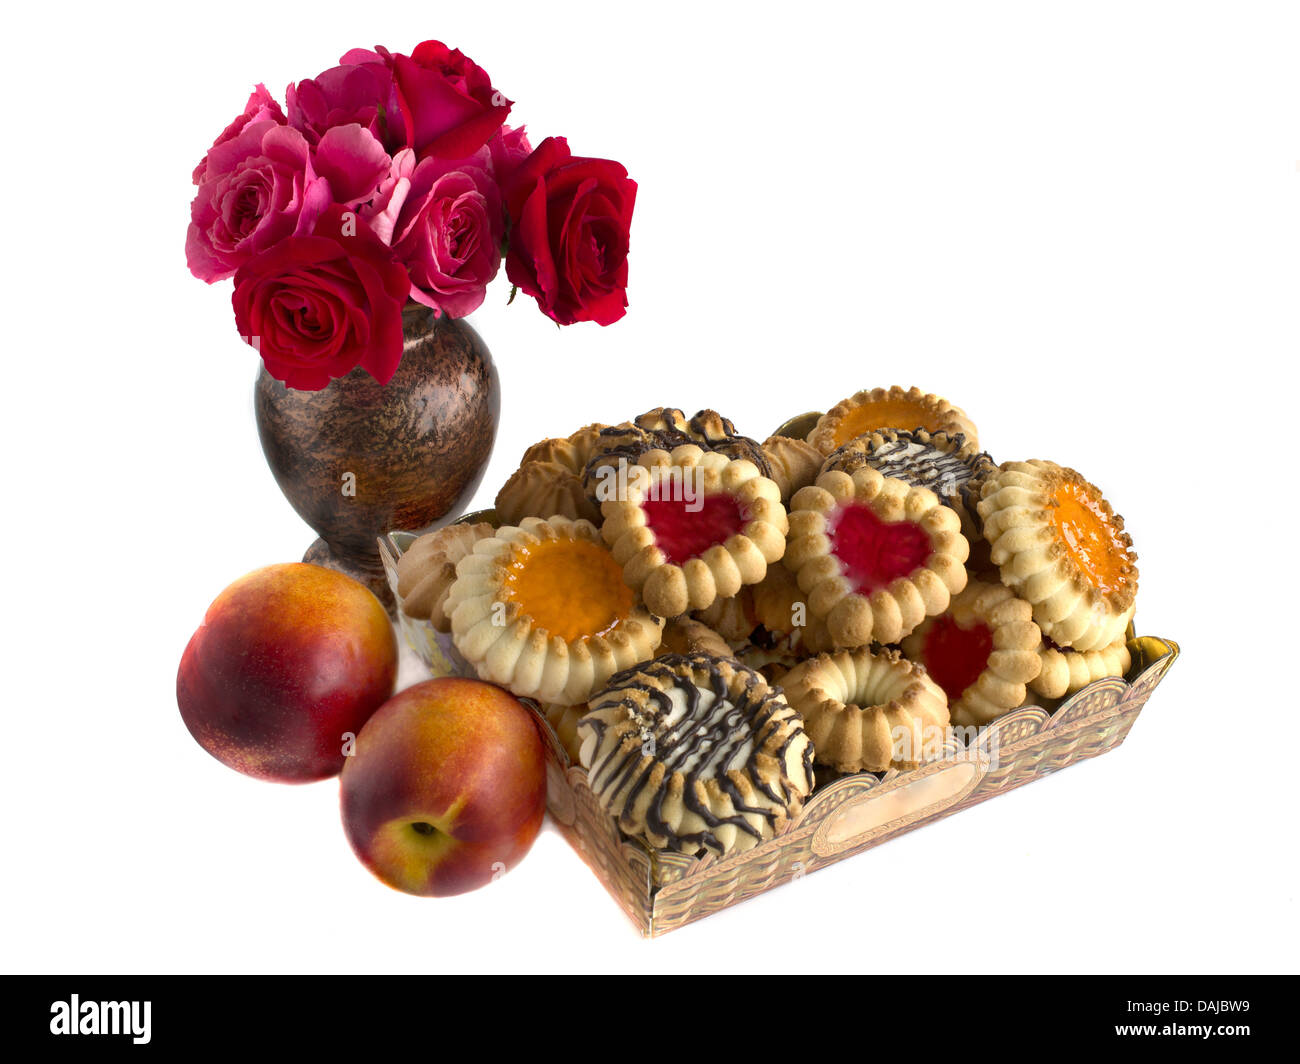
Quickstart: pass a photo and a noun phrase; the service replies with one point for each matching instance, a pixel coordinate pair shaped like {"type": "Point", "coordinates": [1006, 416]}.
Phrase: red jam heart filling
{"type": "Point", "coordinates": [873, 552]}
{"type": "Point", "coordinates": [955, 657]}
{"type": "Point", "coordinates": [686, 529]}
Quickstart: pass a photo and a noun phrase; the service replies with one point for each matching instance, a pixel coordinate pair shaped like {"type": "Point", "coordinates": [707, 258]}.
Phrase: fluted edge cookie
{"type": "Point", "coordinates": [427, 568]}
{"type": "Point", "coordinates": [693, 526]}
{"type": "Point", "coordinates": [868, 711]}
{"type": "Point", "coordinates": [982, 651]}
{"type": "Point", "coordinates": [794, 463]}
{"type": "Point", "coordinates": [1058, 544]}
{"type": "Point", "coordinates": [1063, 671]}
{"type": "Point", "coordinates": [889, 408]}
{"type": "Point", "coordinates": [542, 610]}
{"type": "Point", "coordinates": [695, 753]}
{"type": "Point", "coordinates": [875, 555]}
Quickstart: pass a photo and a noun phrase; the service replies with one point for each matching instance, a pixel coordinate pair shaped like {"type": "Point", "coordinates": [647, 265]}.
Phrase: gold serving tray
{"type": "Point", "coordinates": [847, 814]}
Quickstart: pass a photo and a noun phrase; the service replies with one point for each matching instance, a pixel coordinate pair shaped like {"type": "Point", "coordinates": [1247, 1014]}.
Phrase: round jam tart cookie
{"type": "Point", "coordinates": [1065, 671]}
{"type": "Point", "coordinates": [686, 635]}
{"type": "Point", "coordinates": [426, 569]}
{"type": "Point", "coordinates": [544, 489]}
{"type": "Point", "coordinates": [949, 466]}
{"type": "Point", "coordinates": [1058, 544]}
{"type": "Point", "coordinates": [692, 527]}
{"type": "Point", "coordinates": [982, 651]}
{"type": "Point", "coordinates": [696, 753]}
{"type": "Point", "coordinates": [889, 408]}
{"type": "Point", "coordinates": [542, 610]}
{"type": "Point", "coordinates": [866, 711]}
{"type": "Point", "coordinates": [794, 463]}
{"type": "Point", "coordinates": [875, 555]}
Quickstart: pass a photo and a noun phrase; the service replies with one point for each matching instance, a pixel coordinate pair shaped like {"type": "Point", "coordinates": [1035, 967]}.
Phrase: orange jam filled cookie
{"type": "Point", "coordinates": [982, 651]}
{"type": "Point", "coordinates": [875, 555]}
{"type": "Point", "coordinates": [542, 609]}
{"type": "Point", "coordinates": [1059, 545]}
{"type": "Point", "coordinates": [889, 408]}
{"type": "Point", "coordinates": [694, 526]}
{"type": "Point", "coordinates": [868, 711]}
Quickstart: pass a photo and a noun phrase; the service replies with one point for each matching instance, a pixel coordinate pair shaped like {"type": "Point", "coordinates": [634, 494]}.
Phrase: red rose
{"type": "Point", "coordinates": [318, 306]}
{"type": "Point", "coordinates": [447, 101]}
{"type": "Point", "coordinates": [570, 219]}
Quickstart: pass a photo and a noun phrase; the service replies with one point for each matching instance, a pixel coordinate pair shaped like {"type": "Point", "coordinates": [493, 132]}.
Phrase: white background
{"type": "Point", "coordinates": [1077, 222]}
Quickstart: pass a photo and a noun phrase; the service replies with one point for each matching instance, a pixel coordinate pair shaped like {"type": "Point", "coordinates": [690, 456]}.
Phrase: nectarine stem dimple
{"type": "Point", "coordinates": [420, 827]}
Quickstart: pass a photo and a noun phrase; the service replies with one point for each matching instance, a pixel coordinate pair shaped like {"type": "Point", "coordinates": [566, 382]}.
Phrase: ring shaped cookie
{"type": "Point", "coordinates": [868, 711]}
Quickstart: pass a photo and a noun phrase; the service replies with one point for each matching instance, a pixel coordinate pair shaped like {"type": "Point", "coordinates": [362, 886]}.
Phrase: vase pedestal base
{"type": "Point", "coordinates": [319, 553]}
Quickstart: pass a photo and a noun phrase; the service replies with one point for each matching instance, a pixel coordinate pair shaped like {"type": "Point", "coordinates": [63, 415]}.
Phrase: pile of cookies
{"type": "Point", "coordinates": [703, 618]}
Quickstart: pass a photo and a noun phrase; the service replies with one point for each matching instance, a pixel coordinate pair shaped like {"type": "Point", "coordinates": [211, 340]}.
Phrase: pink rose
{"type": "Point", "coordinates": [353, 162]}
{"type": "Point", "coordinates": [445, 222]}
{"type": "Point", "coordinates": [258, 188]}
{"type": "Point", "coordinates": [317, 306]}
{"type": "Point", "coordinates": [261, 107]}
{"type": "Point", "coordinates": [360, 90]}
{"type": "Point", "coordinates": [509, 148]}
{"type": "Point", "coordinates": [448, 105]}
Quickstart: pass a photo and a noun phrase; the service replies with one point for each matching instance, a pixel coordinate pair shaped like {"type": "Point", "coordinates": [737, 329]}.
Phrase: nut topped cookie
{"type": "Point", "coordinates": [696, 753]}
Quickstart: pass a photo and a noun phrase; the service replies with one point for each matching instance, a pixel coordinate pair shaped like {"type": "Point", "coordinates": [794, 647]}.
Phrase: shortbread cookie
{"type": "Point", "coordinates": [548, 481]}
{"type": "Point", "coordinates": [875, 555]}
{"type": "Point", "coordinates": [868, 711]}
{"type": "Point", "coordinates": [564, 722]}
{"type": "Point", "coordinates": [542, 610]}
{"type": "Point", "coordinates": [572, 452]}
{"type": "Point", "coordinates": [1059, 545]}
{"type": "Point", "coordinates": [795, 463]}
{"type": "Point", "coordinates": [544, 489]}
{"type": "Point", "coordinates": [1065, 671]}
{"type": "Point", "coordinates": [426, 569]}
{"type": "Point", "coordinates": [732, 618]}
{"type": "Point", "coordinates": [686, 635]}
{"type": "Point", "coordinates": [694, 526]}
{"type": "Point", "coordinates": [946, 464]}
{"type": "Point", "coordinates": [696, 753]}
{"type": "Point", "coordinates": [982, 651]}
{"type": "Point", "coordinates": [889, 408]}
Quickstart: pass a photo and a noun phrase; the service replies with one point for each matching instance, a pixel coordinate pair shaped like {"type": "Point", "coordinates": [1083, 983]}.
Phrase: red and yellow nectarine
{"type": "Point", "coordinates": [288, 661]}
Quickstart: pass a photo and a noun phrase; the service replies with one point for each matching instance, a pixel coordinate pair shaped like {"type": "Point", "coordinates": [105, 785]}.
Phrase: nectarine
{"type": "Point", "coordinates": [446, 788]}
{"type": "Point", "coordinates": [288, 661]}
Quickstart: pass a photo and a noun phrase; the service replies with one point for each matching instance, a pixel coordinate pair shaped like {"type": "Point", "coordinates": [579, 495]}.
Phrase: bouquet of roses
{"type": "Point", "coordinates": [392, 177]}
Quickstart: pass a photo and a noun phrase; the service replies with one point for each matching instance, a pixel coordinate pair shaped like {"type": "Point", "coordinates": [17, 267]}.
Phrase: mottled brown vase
{"type": "Point", "coordinates": [358, 458]}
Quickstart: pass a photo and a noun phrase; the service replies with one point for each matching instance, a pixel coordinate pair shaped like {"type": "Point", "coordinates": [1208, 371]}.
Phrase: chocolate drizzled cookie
{"type": "Point", "coordinates": [695, 753]}
{"type": "Point", "coordinates": [664, 428]}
